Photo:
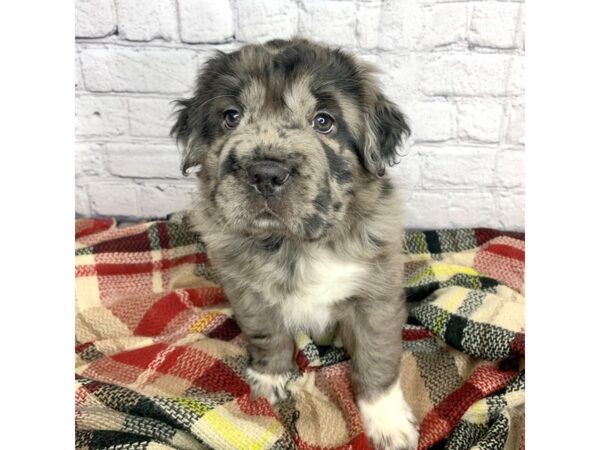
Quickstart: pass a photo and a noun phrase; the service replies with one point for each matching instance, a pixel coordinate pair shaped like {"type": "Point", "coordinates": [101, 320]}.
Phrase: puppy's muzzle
{"type": "Point", "coordinates": [268, 177]}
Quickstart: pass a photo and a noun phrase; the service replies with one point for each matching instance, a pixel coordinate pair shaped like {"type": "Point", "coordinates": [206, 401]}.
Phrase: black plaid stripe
{"type": "Point", "coordinates": [284, 443]}
{"type": "Point", "coordinates": [440, 241]}
{"type": "Point", "coordinates": [518, 384]}
{"type": "Point", "coordinates": [481, 340]}
{"type": "Point", "coordinates": [496, 434]}
{"type": "Point", "coordinates": [496, 404]}
{"type": "Point", "coordinates": [207, 272]}
{"type": "Point", "coordinates": [452, 241]}
{"type": "Point", "coordinates": [109, 440]}
{"type": "Point", "coordinates": [148, 407]}
{"type": "Point", "coordinates": [184, 417]}
{"type": "Point", "coordinates": [209, 399]}
{"type": "Point", "coordinates": [84, 251]}
{"type": "Point", "coordinates": [153, 236]}
{"type": "Point", "coordinates": [90, 354]}
{"type": "Point", "coordinates": [115, 397]}
{"type": "Point", "coordinates": [180, 234]}
{"type": "Point", "coordinates": [487, 341]}
{"type": "Point", "coordinates": [430, 345]}
{"type": "Point", "coordinates": [330, 355]}
{"type": "Point", "coordinates": [433, 244]}
{"type": "Point", "coordinates": [83, 438]}
{"type": "Point", "coordinates": [465, 435]}
{"type": "Point", "coordinates": [438, 372]}
{"type": "Point", "coordinates": [472, 301]}
{"type": "Point", "coordinates": [427, 284]}
{"type": "Point", "coordinates": [432, 317]}
{"type": "Point", "coordinates": [152, 428]}
{"type": "Point", "coordinates": [454, 331]}
{"type": "Point", "coordinates": [417, 293]}
{"type": "Point", "coordinates": [311, 352]}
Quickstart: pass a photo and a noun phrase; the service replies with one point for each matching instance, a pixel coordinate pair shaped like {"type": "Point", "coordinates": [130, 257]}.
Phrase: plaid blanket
{"type": "Point", "coordinates": [160, 360]}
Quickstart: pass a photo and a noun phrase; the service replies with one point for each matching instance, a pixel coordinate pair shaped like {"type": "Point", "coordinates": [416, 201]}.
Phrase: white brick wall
{"type": "Point", "coordinates": [456, 67]}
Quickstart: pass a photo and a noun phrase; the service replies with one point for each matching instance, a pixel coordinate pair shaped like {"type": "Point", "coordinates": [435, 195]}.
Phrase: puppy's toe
{"type": "Point", "coordinates": [402, 435]}
{"type": "Point", "coordinates": [389, 422]}
{"type": "Point", "coordinates": [270, 386]}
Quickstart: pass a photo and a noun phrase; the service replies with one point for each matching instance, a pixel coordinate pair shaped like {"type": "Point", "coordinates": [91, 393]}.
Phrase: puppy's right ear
{"type": "Point", "coordinates": [182, 132]}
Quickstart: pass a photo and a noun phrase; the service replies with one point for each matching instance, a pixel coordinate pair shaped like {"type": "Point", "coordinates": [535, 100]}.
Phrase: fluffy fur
{"type": "Point", "coordinates": [315, 237]}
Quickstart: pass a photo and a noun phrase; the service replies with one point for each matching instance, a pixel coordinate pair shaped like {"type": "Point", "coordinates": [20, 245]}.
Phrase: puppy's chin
{"type": "Point", "coordinates": [266, 226]}
{"type": "Point", "coordinates": [266, 222]}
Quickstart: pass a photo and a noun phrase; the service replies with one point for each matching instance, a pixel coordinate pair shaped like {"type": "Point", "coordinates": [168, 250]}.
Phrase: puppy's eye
{"type": "Point", "coordinates": [231, 118]}
{"type": "Point", "coordinates": [323, 123]}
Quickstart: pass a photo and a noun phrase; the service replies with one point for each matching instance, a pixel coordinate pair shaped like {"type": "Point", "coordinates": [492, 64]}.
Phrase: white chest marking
{"type": "Point", "coordinates": [324, 280]}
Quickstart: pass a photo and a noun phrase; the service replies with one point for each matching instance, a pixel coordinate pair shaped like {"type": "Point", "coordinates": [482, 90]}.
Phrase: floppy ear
{"type": "Point", "coordinates": [386, 130]}
{"type": "Point", "coordinates": [182, 132]}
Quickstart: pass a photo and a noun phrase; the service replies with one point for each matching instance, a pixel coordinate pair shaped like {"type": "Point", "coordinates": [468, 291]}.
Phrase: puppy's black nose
{"type": "Point", "coordinates": [268, 176]}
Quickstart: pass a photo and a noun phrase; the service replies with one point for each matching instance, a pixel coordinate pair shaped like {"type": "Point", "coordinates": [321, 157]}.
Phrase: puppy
{"type": "Point", "coordinates": [298, 216]}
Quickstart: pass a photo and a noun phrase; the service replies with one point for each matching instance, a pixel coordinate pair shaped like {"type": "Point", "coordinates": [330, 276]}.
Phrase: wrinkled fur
{"type": "Point", "coordinates": [339, 212]}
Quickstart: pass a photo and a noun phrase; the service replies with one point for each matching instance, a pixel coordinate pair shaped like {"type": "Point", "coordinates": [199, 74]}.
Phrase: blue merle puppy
{"type": "Point", "coordinates": [298, 216]}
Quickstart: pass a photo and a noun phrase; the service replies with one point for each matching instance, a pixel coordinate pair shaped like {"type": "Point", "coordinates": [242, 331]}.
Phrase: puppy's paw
{"type": "Point", "coordinates": [270, 386]}
{"type": "Point", "coordinates": [389, 422]}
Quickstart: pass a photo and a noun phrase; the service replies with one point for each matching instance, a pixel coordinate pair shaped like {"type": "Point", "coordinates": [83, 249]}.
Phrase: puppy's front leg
{"type": "Point", "coordinates": [270, 348]}
{"type": "Point", "coordinates": [372, 332]}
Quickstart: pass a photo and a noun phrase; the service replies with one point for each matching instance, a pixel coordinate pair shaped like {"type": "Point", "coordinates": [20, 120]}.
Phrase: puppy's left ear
{"type": "Point", "coordinates": [387, 129]}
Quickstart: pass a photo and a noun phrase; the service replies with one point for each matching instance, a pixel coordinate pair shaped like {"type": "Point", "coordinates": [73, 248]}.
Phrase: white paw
{"type": "Point", "coordinates": [389, 422]}
{"type": "Point", "coordinates": [270, 386]}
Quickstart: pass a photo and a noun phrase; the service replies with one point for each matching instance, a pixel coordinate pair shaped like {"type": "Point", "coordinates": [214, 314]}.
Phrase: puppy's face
{"type": "Point", "coordinates": [286, 133]}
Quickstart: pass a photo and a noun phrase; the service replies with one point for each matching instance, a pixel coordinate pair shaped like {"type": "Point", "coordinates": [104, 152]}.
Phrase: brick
{"type": "Point", "coordinates": [151, 117]}
{"type": "Point", "coordinates": [143, 160]}
{"type": "Point", "coordinates": [510, 168]}
{"type": "Point", "coordinates": [516, 77]}
{"type": "Point", "coordinates": [471, 209]}
{"type": "Point", "coordinates": [457, 167]}
{"type": "Point", "coordinates": [515, 133]}
{"type": "Point", "coordinates": [401, 25]}
{"type": "Point", "coordinates": [145, 20]}
{"type": "Point", "coordinates": [479, 119]}
{"type": "Point", "coordinates": [367, 25]}
{"type": "Point", "coordinates": [399, 76]}
{"type": "Point", "coordinates": [94, 18]}
{"type": "Point", "coordinates": [113, 199]}
{"type": "Point", "coordinates": [329, 22]}
{"type": "Point", "coordinates": [469, 74]}
{"type": "Point", "coordinates": [261, 20]}
{"type": "Point", "coordinates": [82, 204]}
{"type": "Point", "coordinates": [127, 70]}
{"type": "Point", "coordinates": [520, 39]}
{"type": "Point", "coordinates": [368, 57]}
{"type": "Point", "coordinates": [407, 173]}
{"type": "Point", "coordinates": [159, 200]}
{"type": "Point", "coordinates": [78, 77]}
{"type": "Point", "coordinates": [432, 121]}
{"type": "Point", "coordinates": [444, 24]}
{"type": "Point", "coordinates": [100, 116]}
{"type": "Point", "coordinates": [425, 210]}
{"type": "Point", "coordinates": [494, 24]}
{"type": "Point", "coordinates": [127, 165]}
{"type": "Point", "coordinates": [435, 209]}
{"type": "Point", "coordinates": [89, 161]}
{"type": "Point", "coordinates": [205, 21]}
{"type": "Point", "coordinates": [510, 213]}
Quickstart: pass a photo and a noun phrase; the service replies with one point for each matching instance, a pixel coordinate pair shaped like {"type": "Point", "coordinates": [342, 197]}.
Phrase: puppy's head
{"type": "Point", "coordinates": [285, 134]}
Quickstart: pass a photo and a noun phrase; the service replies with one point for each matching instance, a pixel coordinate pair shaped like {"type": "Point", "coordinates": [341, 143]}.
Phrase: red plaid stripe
{"type": "Point", "coordinates": [439, 421]}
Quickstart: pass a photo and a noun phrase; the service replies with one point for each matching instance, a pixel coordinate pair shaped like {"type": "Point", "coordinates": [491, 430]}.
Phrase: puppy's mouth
{"type": "Point", "coordinates": [266, 219]}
